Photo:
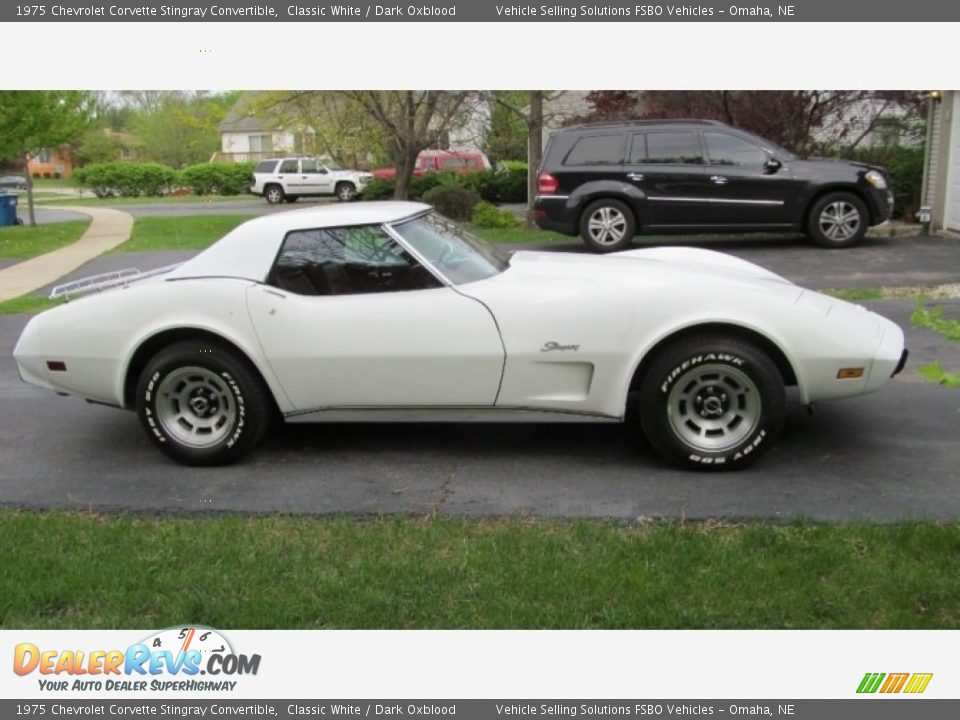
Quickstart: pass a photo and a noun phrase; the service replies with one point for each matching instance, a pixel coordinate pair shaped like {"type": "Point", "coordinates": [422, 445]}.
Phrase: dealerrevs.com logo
{"type": "Point", "coordinates": [894, 683]}
{"type": "Point", "coordinates": [176, 659]}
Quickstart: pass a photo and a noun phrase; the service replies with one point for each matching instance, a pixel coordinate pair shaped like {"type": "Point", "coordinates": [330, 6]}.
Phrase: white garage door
{"type": "Point", "coordinates": [953, 173]}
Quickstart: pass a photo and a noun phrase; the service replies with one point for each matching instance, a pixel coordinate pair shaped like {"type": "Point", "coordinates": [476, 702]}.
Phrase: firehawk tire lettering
{"type": "Point", "coordinates": [712, 403]}
{"type": "Point", "coordinates": [249, 406]}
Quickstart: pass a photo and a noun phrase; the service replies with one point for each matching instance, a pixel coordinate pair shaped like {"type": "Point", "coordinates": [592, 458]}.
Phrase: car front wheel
{"type": "Point", "coordinates": [346, 191]}
{"type": "Point", "coordinates": [607, 226]}
{"type": "Point", "coordinates": [274, 194]}
{"type": "Point", "coordinates": [837, 220]}
{"type": "Point", "coordinates": [712, 403]}
{"type": "Point", "coordinates": [202, 405]}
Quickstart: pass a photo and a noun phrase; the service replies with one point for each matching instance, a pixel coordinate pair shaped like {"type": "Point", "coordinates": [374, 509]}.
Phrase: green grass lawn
{"type": "Point", "coordinates": [189, 232]}
{"type": "Point", "coordinates": [520, 235]}
{"type": "Point", "coordinates": [28, 304]}
{"type": "Point", "coordinates": [122, 201]}
{"type": "Point", "coordinates": [65, 570]}
{"type": "Point", "coordinates": [22, 241]}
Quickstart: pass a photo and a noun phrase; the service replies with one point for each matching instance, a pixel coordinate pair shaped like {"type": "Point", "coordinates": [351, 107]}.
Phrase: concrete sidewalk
{"type": "Point", "coordinates": [108, 228]}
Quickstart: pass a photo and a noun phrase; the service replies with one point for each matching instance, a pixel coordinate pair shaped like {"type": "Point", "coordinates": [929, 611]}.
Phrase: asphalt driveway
{"type": "Point", "coordinates": [890, 455]}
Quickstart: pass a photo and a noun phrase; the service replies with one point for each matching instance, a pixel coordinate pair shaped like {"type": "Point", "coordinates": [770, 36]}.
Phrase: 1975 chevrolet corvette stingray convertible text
{"type": "Point", "coordinates": [386, 310]}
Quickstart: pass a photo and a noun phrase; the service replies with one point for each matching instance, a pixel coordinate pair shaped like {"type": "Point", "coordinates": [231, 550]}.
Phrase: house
{"type": "Point", "coordinates": [249, 135]}
{"type": "Point", "coordinates": [52, 163]}
{"type": "Point", "coordinates": [941, 178]}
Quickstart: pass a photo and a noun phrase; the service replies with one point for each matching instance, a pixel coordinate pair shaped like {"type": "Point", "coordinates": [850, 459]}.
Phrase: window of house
{"type": "Point", "coordinates": [261, 143]}
{"type": "Point", "coordinates": [44, 157]}
{"type": "Point", "coordinates": [347, 261]}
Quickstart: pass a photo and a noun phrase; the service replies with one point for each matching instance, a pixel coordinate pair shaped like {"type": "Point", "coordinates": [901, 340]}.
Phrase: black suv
{"type": "Point", "coordinates": [609, 182]}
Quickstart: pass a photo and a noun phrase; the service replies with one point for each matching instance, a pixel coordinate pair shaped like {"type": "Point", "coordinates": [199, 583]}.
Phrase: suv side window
{"type": "Point", "coordinates": [729, 150]}
{"type": "Point", "coordinates": [596, 150]}
{"type": "Point", "coordinates": [289, 166]}
{"type": "Point", "coordinates": [267, 166]}
{"type": "Point", "coordinates": [673, 148]}
{"type": "Point", "coordinates": [347, 261]}
{"type": "Point", "coordinates": [638, 149]}
{"type": "Point", "coordinates": [309, 166]}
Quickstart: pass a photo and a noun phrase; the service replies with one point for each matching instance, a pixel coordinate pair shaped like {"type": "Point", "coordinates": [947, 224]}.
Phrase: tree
{"type": "Point", "coordinates": [529, 108]}
{"type": "Point", "coordinates": [180, 128]}
{"type": "Point", "coordinates": [410, 121]}
{"type": "Point", "coordinates": [31, 120]}
{"type": "Point", "coordinates": [507, 138]}
{"type": "Point", "coordinates": [787, 117]}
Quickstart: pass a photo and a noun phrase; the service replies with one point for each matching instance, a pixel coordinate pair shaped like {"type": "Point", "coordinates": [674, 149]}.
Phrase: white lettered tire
{"type": "Point", "coordinates": [712, 403]}
{"type": "Point", "coordinates": [202, 405]}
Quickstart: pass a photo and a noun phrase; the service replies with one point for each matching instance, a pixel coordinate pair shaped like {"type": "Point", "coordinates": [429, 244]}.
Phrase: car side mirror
{"type": "Point", "coordinates": [771, 166]}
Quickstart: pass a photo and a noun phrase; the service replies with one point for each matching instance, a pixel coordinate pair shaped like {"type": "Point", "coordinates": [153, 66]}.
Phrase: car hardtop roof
{"type": "Point", "coordinates": [249, 250]}
{"type": "Point", "coordinates": [374, 212]}
{"type": "Point", "coordinates": [645, 123]}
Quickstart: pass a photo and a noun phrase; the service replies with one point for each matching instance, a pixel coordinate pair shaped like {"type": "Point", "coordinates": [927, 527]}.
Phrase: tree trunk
{"type": "Point", "coordinates": [29, 178]}
{"type": "Point", "coordinates": [534, 148]}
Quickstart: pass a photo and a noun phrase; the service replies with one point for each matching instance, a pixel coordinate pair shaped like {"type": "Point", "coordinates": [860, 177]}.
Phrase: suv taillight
{"type": "Point", "coordinates": [547, 184]}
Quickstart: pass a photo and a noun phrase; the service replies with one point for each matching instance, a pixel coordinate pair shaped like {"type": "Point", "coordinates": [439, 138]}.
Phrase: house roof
{"type": "Point", "coordinates": [243, 117]}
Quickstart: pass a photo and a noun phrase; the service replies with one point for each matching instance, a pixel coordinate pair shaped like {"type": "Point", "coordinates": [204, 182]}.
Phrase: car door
{"type": "Point", "coordinates": [314, 178]}
{"type": "Point", "coordinates": [747, 186]}
{"type": "Point", "coordinates": [348, 318]}
{"type": "Point", "coordinates": [289, 176]}
{"type": "Point", "coordinates": [667, 166]}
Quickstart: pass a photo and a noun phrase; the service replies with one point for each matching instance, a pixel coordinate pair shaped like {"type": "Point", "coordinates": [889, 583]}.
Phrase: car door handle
{"type": "Point", "coordinates": [718, 180]}
{"type": "Point", "coordinates": [636, 177]}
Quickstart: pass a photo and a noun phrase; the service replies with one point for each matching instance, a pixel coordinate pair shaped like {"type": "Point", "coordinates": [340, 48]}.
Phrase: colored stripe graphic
{"type": "Point", "coordinates": [918, 683]}
{"type": "Point", "coordinates": [870, 682]}
{"type": "Point", "coordinates": [894, 683]}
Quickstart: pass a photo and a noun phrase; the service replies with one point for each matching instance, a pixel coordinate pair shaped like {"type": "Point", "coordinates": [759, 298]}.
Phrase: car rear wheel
{"type": "Point", "coordinates": [274, 194]}
{"type": "Point", "coordinates": [837, 220]}
{"type": "Point", "coordinates": [346, 191]}
{"type": "Point", "coordinates": [607, 226]}
{"type": "Point", "coordinates": [712, 403]}
{"type": "Point", "coordinates": [202, 405]}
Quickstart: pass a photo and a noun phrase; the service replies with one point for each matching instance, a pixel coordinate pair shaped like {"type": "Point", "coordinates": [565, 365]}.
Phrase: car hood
{"type": "Point", "coordinates": [834, 165]}
{"type": "Point", "coordinates": [635, 268]}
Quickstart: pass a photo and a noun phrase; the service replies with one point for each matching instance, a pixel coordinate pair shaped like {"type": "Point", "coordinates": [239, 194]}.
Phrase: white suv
{"type": "Point", "coordinates": [286, 179]}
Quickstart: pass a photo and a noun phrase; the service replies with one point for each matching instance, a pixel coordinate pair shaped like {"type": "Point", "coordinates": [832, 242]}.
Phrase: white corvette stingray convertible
{"type": "Point", "coordinates": [389, 311]}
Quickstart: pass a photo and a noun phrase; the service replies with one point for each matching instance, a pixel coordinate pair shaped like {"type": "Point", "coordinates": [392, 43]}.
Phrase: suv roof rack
{"type": "Point", "coordinates": [664, 121]}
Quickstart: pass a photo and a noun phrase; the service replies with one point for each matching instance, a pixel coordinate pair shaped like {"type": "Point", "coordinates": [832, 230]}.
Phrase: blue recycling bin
{"type": "Point", "coordinates": [8, 209]}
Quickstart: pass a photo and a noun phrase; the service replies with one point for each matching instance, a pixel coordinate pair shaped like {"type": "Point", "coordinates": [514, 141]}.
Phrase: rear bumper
{"type": "Point", "coordinates": [554, 212]}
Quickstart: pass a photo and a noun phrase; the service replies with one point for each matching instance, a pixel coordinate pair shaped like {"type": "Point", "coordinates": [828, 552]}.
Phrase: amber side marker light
{"type": "Point", "coordinates": [849, 373]}
{"type": "Point", "coordinates": [56, 366]}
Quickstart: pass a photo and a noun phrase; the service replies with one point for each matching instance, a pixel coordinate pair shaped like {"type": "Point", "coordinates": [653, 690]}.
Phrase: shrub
{"type": "Point", "coordinates": [125, 178]}
{"type": "Point", "coordinates": [905, 166]}
{"type": "Point", "coordinates": [222, 179]}
{"type": "Point", "coordinates": [455, 202]}
{"type": "Point", "coordinates": [487, 215]}
{"type": "Point", "coordinates": [379, 189]}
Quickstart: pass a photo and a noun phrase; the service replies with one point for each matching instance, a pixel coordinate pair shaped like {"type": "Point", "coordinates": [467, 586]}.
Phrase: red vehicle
{"type": "Point", "coordinates": [459, 161]}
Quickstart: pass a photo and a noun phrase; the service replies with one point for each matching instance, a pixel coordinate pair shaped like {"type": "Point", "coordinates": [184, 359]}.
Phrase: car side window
{"type": "Point", "coordinates": [596, 150]}
{"type": "Point", "coordinates": [673, 148]}
{"type": "Point", "coordinates": [289, 166]}
{"type": "Point", "coordinates": [267, 166]}
{"type": "Point", "coordinates": [347, 261]}
{"type": "Point", "coordinates": [729, 150]}
{"type": "Point", "coordinates": [309, 166]}
{"type": "Point", "coordinates": [638, 149]}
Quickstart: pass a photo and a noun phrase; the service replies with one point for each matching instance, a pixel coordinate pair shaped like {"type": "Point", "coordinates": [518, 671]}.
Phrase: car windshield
{"type": "Point", "coordinates": [459, 255]}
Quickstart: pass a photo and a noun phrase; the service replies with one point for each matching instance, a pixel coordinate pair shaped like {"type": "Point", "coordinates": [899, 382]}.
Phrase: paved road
{"type": "Point", "coordinates": [890, 455]}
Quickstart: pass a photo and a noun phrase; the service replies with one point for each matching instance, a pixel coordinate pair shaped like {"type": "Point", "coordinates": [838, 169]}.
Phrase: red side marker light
{"type": "Point", "coordinates": [56, 366]}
